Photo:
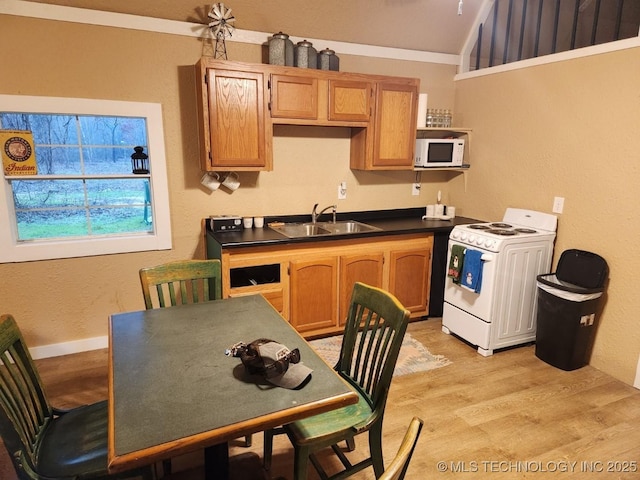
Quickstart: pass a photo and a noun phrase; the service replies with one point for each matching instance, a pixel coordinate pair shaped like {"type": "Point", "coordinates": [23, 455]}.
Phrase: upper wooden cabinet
{"type": "Point", "coordinates": [350, 100]}
{"type": "Point", "coordinates": [389, 143]}
{"type": "Point", "coordinates": [234, 133]}
{"type": "Point", "coordinates": [240, 102]}
{"type": "Point", "coordinates": [308, 97]}
{"type": "Point", "coordinates": [293, 96]}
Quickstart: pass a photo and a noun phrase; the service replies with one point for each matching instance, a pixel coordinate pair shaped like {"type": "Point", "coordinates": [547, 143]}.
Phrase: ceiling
{"type": "Point", "coordinates": [422, 25]}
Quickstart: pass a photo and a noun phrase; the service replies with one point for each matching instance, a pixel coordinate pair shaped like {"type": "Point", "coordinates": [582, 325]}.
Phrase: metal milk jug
{"type": "Point", "coordinates": [305, 55]}
{"type": "Point", "coordinates": [281, 50]}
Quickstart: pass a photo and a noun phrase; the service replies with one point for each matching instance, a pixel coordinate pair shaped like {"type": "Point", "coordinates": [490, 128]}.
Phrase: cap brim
{"type": "Point", "coordinates": [296, 376]}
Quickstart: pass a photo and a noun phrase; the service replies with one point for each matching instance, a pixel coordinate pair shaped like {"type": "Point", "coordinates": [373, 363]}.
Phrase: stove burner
{"type": "Point", "coordinates": [479, 226]}
{"type": "Point", "coordinates": [500, 225]}
{"type": "Point", "coordinates": [503, 232]}
{"type": "Point", "coordinates": [525, 230]}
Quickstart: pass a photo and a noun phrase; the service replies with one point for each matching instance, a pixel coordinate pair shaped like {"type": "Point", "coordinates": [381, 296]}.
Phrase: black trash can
{"type": "Point", "coordinates": [567, 303]}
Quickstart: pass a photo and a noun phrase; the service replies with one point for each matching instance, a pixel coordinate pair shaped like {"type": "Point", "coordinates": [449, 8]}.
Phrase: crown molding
{"type": "Point", "coordinates": [45, 11]}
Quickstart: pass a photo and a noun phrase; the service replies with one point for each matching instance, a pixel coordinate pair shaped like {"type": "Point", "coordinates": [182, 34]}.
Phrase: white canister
{"type": "Point", "coordinates": [439, 208]}
{"type": "Point", "coordinates": [451, 211]}
{"type": "Point", "coordinates": [431, 210]}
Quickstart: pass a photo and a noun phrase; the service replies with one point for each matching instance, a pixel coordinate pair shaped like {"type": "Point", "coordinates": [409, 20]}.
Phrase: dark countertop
{"type": "Point", "coordinates": [391, 222]}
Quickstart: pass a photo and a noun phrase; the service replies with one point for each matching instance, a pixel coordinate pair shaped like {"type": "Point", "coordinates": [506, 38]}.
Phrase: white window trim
{"type": "Point", "coordinates": [160, 239]}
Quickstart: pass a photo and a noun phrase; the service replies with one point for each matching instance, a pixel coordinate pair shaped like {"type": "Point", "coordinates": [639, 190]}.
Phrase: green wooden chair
{"type": "Point", "coordinates": [373, 335]}
{"type": "Point", "coordinates": [181, 282]}
{"type": "Point", "coordinates": [397, 469]}
{"type": "Point", "coordinates": [45, 442]}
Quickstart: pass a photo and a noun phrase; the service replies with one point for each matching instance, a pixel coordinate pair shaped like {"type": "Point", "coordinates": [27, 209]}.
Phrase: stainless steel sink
{"type": "Point", "coordinates": [298, 230]}
{"type": "Point", "coordinates": [348, 226]}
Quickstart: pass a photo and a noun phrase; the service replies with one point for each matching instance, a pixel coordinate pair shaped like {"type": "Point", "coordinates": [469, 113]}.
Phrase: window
{"type": "Point", "coordinates": [84, 198]}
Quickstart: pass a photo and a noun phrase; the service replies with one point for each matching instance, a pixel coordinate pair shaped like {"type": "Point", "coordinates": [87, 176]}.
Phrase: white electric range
{"type": "Point", "coordinates": [513, 253]}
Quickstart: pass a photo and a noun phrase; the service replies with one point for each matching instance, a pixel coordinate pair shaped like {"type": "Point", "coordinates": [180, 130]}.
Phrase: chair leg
{"type": "Point", "coordinates": [351, 444]}
{"type": "Point", "coordinates": [301, 463]}
{"type": "Point", "coordinates": [166, 467]}
{"type": "Point", "coordinates": [375, 448]}
{"type": "Point", "coordinates": [149, 473]}
{"type": "Point", "coordinates": [248, 441]}
{"type": "Point", "coordinates": [268, 449]}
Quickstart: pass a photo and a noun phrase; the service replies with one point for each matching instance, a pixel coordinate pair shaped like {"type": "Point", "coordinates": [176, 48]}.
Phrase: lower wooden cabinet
{"type": "Point", "coordinates": [314, 293]}
{"type": "Point", "coordinates": [409, 274]}
{"type": "Point", "coordinates": [365, 268]}
{"type": "Point", "coordinates": [311, 284]}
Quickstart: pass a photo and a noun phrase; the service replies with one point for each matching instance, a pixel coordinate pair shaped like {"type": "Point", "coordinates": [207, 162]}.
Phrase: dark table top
{"type": "Point", "coordinates": [172, 388]}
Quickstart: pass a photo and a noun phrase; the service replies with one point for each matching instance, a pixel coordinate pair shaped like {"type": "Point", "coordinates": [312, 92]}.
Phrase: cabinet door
{"type": "Point", "coordinates": [237, 131]}
{"type": "Point", "coordinates": [409, 278]}
{"type": "Point", "coordinates": [314, 293]}
{"type": "Point", "coordinates": [294, 97]}
{"type": "Point", "coordinates": [357, 268]}
{"type": "Point", "coordinates": [350, 100]}
{"type": "Point", "coordinates": [395, 125]}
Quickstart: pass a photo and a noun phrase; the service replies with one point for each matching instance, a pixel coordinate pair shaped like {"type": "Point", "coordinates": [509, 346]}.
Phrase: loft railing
{"type": "Point", "coordinates": [517, 30]}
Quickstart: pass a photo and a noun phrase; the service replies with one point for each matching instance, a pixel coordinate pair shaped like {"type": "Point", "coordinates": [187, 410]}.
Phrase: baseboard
{"type": "Point", "coordinates": [67, 348]}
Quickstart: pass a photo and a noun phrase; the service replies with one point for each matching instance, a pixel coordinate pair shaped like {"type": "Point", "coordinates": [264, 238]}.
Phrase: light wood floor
{"type": "Point", "coordinates": [508, 416]}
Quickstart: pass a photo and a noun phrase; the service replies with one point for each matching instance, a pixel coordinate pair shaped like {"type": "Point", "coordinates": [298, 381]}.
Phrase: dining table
{"type": "Point", "coordinates": [173, 390]}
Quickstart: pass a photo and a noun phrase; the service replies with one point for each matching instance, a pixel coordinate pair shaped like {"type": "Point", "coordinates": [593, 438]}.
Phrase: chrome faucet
{"type": "Point", "coordinates": [314, 215]}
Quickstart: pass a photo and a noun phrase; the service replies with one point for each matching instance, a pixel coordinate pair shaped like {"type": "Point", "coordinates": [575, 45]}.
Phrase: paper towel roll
{"type": "Point", "coordinates": [422, 110]}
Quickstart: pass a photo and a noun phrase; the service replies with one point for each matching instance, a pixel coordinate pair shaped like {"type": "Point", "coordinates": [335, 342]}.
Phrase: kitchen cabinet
{"type": "Point", "coordinates": [390, 143]}
{"type": "Point", "coordinates": [238, 104]}
{"type": "Point", "coordinates": [310, 284]}
{"type": "Point", "coordinates": [233, 131]}
{"type": "Point", "coordinates": [314, 293]}
{"type": "Point", "coordinates": [293, 97]}
{"type": "Point", "coordinates": [350, 100]}
{"type": "Point", "coordinates": [310, 98]}
{"type": "Point", "coordinates": [366, 268]}
{"type": "Point", "coordinates": [409, 277]}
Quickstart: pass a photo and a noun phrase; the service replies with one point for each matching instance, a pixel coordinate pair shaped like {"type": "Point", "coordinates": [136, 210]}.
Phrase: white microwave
{"type": "Point", "coordinates": [439, 152]}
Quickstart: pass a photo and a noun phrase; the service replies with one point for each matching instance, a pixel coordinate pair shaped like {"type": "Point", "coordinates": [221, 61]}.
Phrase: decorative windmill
{"type": "Point", "coordinates": [221, 27]}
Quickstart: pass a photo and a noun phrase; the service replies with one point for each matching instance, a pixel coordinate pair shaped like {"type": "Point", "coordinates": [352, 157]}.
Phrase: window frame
{"type": "Point", "coordinates": [160, 239]}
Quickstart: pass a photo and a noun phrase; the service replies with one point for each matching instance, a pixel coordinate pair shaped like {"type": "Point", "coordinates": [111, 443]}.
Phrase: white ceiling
{"type": "Point", "coordinates": [422, 25]}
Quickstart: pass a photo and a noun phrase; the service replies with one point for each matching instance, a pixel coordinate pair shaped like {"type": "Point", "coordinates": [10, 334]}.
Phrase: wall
{"type": "Point", "coordinates": [69, 300]}
{"type": "Point", "coordinates": [567, 129]}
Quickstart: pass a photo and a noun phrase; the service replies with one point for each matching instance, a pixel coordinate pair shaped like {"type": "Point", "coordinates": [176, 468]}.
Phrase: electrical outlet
{"type": "Point", "coordinates": [342, 191]}
{"type": "Point", "coordinates": [415, 189]}
{"type": "Point", "coordinates": [558, 204]}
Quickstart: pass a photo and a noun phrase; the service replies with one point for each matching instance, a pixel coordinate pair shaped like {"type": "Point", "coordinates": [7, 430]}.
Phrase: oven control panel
{"type": "Point", "coordinates": [471, 238]}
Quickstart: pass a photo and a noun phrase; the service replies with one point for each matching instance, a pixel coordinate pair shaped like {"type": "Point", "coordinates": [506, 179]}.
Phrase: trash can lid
{"type": "Point", "coordinates": [585, 269]}
{"type": "Point", "coordinates": [551, 284]}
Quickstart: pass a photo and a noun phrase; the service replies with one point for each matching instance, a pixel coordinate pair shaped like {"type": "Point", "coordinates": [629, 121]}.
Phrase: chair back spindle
{"type": "Point", "coordinates": [370, 346]}
{"type": "Point", "coordinates": [24, 409]}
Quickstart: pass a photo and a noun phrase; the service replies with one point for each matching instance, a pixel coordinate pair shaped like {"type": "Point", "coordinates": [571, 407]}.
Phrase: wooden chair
{"type": "Point", "coordinates": [181, 282]}
{"type": "Point", "coordinates": [398, 467]}
{"type": "Point", "coordinates": [373, 335]}
{"type": "Point", "coordinates": [44, 442]}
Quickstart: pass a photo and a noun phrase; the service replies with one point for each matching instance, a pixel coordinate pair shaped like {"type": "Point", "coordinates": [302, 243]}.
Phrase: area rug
{"type": "Point", "coordinates": [414, 357]}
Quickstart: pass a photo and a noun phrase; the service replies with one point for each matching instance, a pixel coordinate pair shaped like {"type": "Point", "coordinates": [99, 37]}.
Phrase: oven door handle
{"type": "Point", "coordinates": [487, 257]}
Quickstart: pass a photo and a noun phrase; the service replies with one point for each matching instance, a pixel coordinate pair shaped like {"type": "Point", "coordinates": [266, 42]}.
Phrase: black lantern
{"type": "Point", "coordinates": [140, 161]}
